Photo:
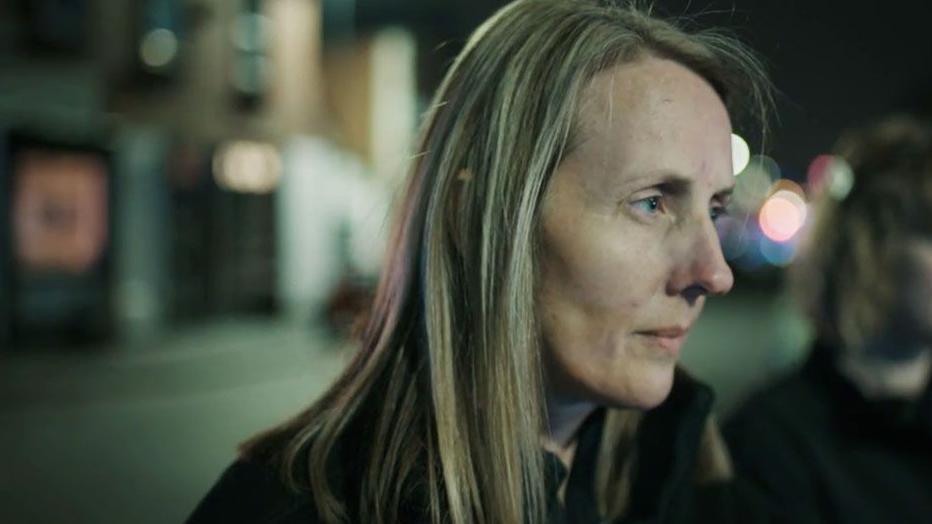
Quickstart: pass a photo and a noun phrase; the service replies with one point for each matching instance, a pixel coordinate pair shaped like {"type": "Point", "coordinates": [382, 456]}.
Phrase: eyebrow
{"type": "Point", "coordinates": [725, 194]}
{"type": "Point", "coordinates": [678, 184]}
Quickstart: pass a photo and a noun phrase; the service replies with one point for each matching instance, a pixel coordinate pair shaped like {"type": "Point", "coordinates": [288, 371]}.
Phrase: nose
{"type": "Point", "coordinates": [701, 270]}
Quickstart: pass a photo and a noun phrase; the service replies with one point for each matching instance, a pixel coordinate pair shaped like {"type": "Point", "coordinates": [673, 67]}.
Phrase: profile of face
{"type": "Point", "coordinates": [629, 245]}
{"type": "Point", "coordinates": [897, 362]}
{"type": "Point", "coordinates": [913, 309]}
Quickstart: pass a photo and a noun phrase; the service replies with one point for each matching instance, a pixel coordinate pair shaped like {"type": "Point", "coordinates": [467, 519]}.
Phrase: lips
{"type": "Point", "coordinates": [668, 339]}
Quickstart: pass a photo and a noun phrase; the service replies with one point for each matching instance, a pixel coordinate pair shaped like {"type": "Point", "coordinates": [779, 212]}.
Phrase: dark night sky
{"type": "Point", "coordinates": [835, 64]}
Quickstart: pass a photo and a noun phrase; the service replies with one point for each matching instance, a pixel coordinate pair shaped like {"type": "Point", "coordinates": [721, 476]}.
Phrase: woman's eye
{"type": "Point", "coordinates": [650, 205]}
{"type": "Point", "coordinates": [718, 212]}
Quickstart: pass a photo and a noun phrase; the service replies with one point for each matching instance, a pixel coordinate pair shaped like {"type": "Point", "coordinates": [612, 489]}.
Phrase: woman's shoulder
{"type": "Point", "coordinates": [250, 491]}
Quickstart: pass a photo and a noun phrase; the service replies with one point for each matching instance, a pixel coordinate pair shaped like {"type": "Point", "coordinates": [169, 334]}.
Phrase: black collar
{"type": "Point", "coordinates": [903, 420]}
{"type": "Point", "coordinates": [666, 445]}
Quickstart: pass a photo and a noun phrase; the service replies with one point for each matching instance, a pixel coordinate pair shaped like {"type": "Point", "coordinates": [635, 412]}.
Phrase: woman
{"type": "Point", "coordinates": [555, 244]}
{"type": "Point", "coordinates": [846, 437]}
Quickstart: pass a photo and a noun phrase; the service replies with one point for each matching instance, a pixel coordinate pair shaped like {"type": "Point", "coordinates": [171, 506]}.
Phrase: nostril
{"type": "Point", "coordinates": [693, 293]}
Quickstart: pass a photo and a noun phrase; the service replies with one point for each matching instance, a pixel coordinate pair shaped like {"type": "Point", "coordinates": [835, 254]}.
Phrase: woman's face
{"type": "Point", "coordinates": [630, 248]}
{"type": "Point", "coordinates": [913, 310]}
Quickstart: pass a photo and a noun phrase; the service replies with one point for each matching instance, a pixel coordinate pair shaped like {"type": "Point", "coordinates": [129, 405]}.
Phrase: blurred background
{"type": "Point", "coordinates": [194, 198]}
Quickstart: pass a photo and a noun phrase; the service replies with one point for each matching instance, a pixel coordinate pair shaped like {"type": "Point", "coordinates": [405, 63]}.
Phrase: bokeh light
{"type": "Point", "coordinates": [783, 214]}
{"type": "Point", "coordinates": [249, 73]}
{"type": "Point", "coordinates": [842, 179]}
{"type": "Point", "coordinates": [740, 153]}
{"type": "Point", "coordinates": [158, 48]}
{"type": "Point", "coordinates": [819, 173]}
{"type": "Point", "coordinates": [754, 184]}
{"type": "Point", "coordinates": [247, 167]}
{"type": "Point", "coordinates": [786, 184]}
{"type": "Point", "coordinates": [832, 173]}
{"type": "Point", "coordinates": [733, 236]}
{"type": "Point", "coordinates": [250, 32]}
{"type": "Point", "coordinates": [777, 253]}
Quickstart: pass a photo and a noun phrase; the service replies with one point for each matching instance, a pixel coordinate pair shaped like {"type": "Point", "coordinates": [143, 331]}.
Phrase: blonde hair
{"type": "Point", "coordinates": [845, 275]}
{"type": "Point", "coordinates": [447, 383]}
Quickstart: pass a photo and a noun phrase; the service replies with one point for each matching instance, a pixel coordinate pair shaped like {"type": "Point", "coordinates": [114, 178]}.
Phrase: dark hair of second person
{"type": "Point", "coordinates": [846, 437]}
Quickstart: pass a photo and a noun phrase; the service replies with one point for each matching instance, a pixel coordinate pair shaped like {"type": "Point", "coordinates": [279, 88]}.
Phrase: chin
{"type": "Point", "coordinates": [649, 397]}
{"type": "Point", "coordinates": [647, 389]}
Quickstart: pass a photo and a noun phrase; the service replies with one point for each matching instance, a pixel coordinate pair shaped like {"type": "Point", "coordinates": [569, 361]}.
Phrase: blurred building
{"type": "Point", "coordinates": [166, 160]}
{"type": "Point", "coordinates": [207, 157]}
{"type": "Point", "coordinates": [193, 184]}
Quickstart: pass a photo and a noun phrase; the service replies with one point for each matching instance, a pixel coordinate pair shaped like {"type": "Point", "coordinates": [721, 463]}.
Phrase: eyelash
{"type": "Point", "coordinates": [657, 205]}
{"type": "Point", "coordinates": [654, 201]}
{"type": "Point", "coordinates": [718, 212]}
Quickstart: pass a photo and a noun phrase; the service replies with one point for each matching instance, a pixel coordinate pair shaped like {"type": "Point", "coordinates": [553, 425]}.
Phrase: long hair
{"type": "Point", "coordinates": [447, 382]}
{"type": "Point", "coordinates": [846, 274]}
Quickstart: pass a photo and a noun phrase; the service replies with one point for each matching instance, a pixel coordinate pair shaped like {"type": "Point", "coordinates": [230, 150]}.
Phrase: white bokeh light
{"type": "Point", "coordinates": [158, 48]}
{"type": "Point", "coordinates": [740, 154]}
{"type": "Point", "coordinates": [247, 167]}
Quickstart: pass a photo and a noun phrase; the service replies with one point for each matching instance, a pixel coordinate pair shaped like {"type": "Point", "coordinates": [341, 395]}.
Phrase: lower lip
{"type": "Point", "coordinates": [669, 345]}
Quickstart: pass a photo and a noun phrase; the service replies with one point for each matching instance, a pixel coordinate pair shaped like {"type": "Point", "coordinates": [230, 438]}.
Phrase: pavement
{"type": "Point", "coordinates": [139, 434]}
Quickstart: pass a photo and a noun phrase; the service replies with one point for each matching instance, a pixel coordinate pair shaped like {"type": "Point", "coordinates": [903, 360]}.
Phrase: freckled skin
{"type": "Point", "coordinates": [610, 268]}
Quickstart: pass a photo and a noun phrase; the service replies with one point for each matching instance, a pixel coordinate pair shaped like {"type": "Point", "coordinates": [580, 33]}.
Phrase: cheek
{"type": "Point", "coordinates": [596, 287]}
{"type": "Point", "coordinates": [600, 272]}
{"type": "Point", "coordinates": [591, 300]}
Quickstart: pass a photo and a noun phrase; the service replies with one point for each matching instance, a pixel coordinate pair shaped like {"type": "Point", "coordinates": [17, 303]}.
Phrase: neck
{"type": "Point", "coordinates": [564, 418]}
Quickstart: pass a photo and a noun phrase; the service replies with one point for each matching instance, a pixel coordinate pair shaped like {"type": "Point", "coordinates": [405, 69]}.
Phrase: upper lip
{"type": "Point", "coordinates": [666, 332]}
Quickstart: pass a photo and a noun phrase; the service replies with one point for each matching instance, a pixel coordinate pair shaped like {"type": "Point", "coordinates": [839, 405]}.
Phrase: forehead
{"type": "Point", "coordinates": [654, 114]}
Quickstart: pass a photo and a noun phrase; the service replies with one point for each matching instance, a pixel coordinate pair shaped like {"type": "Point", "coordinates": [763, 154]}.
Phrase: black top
{"type": "Point", "coordinates": [824, 453]}
{"type": "Point", "coordinates": [663, 489]}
